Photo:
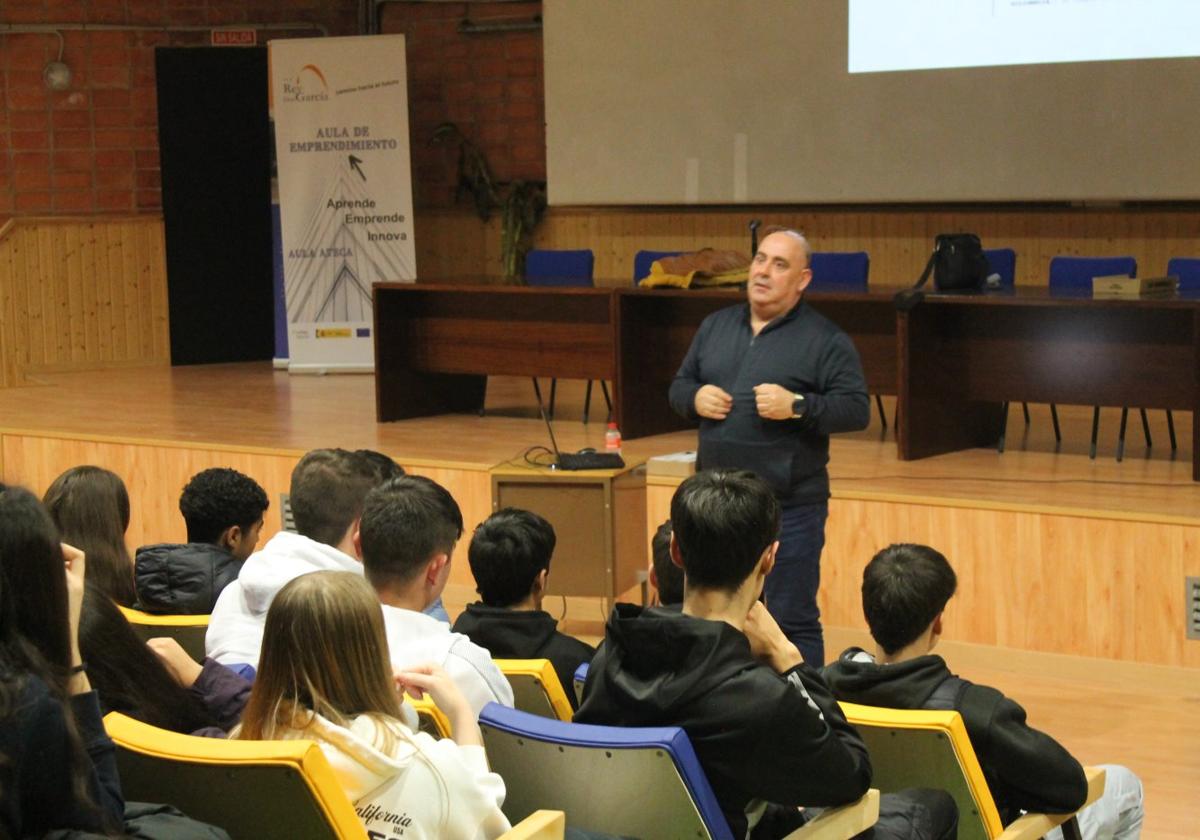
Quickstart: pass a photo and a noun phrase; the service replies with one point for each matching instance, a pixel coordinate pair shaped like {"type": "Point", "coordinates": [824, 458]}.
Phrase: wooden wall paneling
{"type": "Point", "coordinates": [155, 261]}
{"type": "Point", "coordinates": [154, 476]}
{"type": "Point", "coordinates": [105, 303]}
{"type": "Point", "coordinates": [38, 315]}
{"type": "Point", "coordinates": [71, 268]}
{"type": "Point", "coordinates": [1027, 580]}
{"type": "Point", "coordinates": [9, 370]}
{"type": "Point", "coordinates": [472, 489]}
{"type": "Point", "coordinates": [89, 292]}
{"type": "Point", "coordinates": [91, 313]}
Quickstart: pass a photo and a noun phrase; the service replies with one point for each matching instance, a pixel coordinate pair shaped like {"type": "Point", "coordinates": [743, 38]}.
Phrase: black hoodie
{"type": "Point", "coordinates": [1026, 770]}
{"type": "Point", "coordinates": [768, 742]}
{"type": "Point", "coordinates": [525, 634]}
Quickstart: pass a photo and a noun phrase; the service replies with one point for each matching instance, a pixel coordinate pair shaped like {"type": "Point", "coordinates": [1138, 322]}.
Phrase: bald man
{"type": "Point", "coordinates": [769, 381]}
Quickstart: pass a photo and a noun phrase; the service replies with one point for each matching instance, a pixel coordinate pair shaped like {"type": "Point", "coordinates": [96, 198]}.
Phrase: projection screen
{"type": "Point", "coordinates": [712, 102]}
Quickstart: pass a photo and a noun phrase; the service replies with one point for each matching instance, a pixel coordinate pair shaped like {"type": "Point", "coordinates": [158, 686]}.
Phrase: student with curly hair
{"type": "Point", "coordinates": [223, 510]}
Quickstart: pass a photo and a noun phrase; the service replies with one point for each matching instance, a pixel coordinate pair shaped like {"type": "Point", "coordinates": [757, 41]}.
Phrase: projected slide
{"type": "Point", "coordinates": [931, 34]}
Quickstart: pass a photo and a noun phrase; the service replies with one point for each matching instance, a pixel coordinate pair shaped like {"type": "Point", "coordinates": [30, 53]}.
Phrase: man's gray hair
{"type": "Point", "coordinates": [795, 234]}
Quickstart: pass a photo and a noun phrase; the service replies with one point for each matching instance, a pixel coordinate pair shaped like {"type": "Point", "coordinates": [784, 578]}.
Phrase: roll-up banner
{"type": "Point", "coordinates": [345, 191]}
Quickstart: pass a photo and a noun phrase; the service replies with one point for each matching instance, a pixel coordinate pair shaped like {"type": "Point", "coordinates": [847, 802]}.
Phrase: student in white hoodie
{"type": "Point", "coordinates": [324, 675]}
{"type": "Point", "coordinates": [327, 491]}
{"type": "Point", "coordinates": [406, 537]}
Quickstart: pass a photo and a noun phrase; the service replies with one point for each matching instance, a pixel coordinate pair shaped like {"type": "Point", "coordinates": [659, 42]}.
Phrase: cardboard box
{"type": "Point", "coordinates": [680, 464]}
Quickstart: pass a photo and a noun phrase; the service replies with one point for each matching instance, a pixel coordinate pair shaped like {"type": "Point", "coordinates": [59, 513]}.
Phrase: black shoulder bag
{"type": "Point", "coordinates": [957, 265]}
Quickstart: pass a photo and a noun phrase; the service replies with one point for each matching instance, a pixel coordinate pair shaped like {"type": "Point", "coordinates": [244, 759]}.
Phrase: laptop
{"type": "Point", "coordinates": [579, 460]}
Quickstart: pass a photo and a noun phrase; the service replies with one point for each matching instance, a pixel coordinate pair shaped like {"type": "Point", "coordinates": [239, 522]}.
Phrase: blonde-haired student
{"type": "Point", "coordinates": [324, 674]}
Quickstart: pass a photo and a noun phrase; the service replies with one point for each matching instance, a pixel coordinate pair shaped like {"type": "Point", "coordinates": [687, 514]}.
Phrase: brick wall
{"type": "Point", "coordinates": [490, 85]}
{"type": "Point", "coordinates": [93, 148]}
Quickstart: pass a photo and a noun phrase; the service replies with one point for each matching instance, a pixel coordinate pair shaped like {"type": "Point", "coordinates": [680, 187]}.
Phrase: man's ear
{"type": "Point", "coordinates": [229, 537]}
{"type": "Point", "coordinates": [676, 555]}
{"type": "Point", "coordinates": [357, 540]}
{"type": "Point", "coordinates": [434, 569]}
{"type": "Point", "coordinates": [767, 561]}
{"type": "Point", "coordinates": [937, 626]}
{"type": "Point", "coordinates": [539, 582]}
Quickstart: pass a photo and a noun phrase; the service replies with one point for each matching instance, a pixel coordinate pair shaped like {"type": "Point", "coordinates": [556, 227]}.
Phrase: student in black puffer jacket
{"type": "Point", "coordinates": [223, 510]}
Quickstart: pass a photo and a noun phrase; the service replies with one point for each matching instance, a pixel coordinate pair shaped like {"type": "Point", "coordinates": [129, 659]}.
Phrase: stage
{"type": "Point", "coordinates": [1071, 571]}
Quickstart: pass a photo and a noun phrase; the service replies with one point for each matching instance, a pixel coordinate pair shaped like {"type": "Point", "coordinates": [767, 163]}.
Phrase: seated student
{"type": "Point", "coordinates": [59, 769]}
{"type": "Point", "coordinates": [127, 675]}
{"type": "Point", "coordinates": [510, 559]}
{"type": "Point", "coordinates": [327, 491]}
{"type": "Point", "coordinates": [765, 728]}
{"type": "Point", "coordinates": [59, 773]}
{"type": "Point", "coordinates": [324, 675]}
{"type": "Point", "coordinates": [665, 577]}
{"type": "Point", "coordinates": [90, 507]}
{"type": "Point", "coordinates": [223, 510]}
{"type": "Point", "coordinates": [406, 537]}
{"type": "Point", "coordinates": [389, 469]}
{"type": "Point", "coordinates": [905, 590]}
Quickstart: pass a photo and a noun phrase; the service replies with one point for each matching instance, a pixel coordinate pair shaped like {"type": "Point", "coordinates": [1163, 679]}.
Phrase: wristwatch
{"type": "Point", "coordinates": [798, 407]}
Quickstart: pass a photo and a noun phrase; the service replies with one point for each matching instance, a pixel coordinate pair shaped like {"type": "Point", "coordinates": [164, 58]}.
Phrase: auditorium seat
{"type": "Point", "coordinates": [249, 788]}
{"type": "Point", "coordinates": [628, 781]}
{"type": "Point", "coordinates": [580, 680]}
{"type": "Point", "coordinates": [1072, 276]}
{"type": "Point", "coordinates": [931, 749]}
{"type": "Point", "coordinates": [843, 271]}
{"type": "Point", "coordinates": [431, 719]}
{"type": "Point", "coordinates": [255, 788]}
{"type": "Point", "coordinates": [536, 687]}
{"type": "Point", "coordinates": [839, 271]}
{"type": "Point", "coordinates": [188, 630]}
{"type": "Point", "coordinates": [1187, 269]}
{"type": "Point", "coordinates": [563, 268]}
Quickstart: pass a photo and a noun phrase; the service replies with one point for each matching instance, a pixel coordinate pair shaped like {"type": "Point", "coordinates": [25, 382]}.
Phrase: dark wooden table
{"type": "Point", "coordinates": [435, 345]}
{"type": "Point", "coordinates": [952, 361]}
{"type": "Point", "coordinates": [963, 356]}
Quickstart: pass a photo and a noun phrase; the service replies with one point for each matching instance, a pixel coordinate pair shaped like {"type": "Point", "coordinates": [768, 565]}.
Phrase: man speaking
{"type": "Point", "coordinates": [769, 381]}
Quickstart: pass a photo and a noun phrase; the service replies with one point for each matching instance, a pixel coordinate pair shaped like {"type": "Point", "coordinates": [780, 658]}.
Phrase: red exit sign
{"type": "Point", "coordinates": [234, 37]}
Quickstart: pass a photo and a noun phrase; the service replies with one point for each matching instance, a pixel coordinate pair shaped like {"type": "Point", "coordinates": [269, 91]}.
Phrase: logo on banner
{"type": "Point", "coordinates": [308, 85]}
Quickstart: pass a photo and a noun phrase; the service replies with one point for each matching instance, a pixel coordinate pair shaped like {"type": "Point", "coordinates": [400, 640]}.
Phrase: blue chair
{"type": "Point", "coordinates": [1073, 276]}
{"type": "Point", "coordinates": [643, 259]}
{"type": "Point", "coordinates": [559, 268]}
{"type": "Point", "coordinates": [843, 271]}
{"type": "Point", "coordinates": [628, 781]}
{"type": "Point", "coordinates": [580, 680]}
{"type": "Point", "coordinates": [1002, 263]}
{"type": "Point", "coordinates": [1187, 269]}
{"type": "Point", "coordinates": [839, 271]}
{"type": "Point", "coordinates": [563, 268]}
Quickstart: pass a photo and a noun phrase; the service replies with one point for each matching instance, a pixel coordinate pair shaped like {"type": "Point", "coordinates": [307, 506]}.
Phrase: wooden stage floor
{"type": "Point", "coordinates": [1120, 703]}
{"type": "Point", "coordinates": [252, 405]}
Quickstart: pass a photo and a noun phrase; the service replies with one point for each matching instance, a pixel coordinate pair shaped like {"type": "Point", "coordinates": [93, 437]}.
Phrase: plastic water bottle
{"type": "Point", "coordinates": [612, 439]}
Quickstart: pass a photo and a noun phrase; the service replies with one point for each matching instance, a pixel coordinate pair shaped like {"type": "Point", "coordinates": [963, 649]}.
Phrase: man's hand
{"type": "Point", "coordinates": [774, 402]}
{"type": "Point", "coordinates": [768, 644]}
{"type": "Point", "coordinates": [712, 402]}
{"type": "Point", "coordinates": [176, 660]}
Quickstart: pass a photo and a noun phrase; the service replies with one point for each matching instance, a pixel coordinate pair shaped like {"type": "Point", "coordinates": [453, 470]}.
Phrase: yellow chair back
{"type": "Point", "coordinates": [249, 788]}
{"type": "Point", "coordinates": [188, 630]}
{"type": "Point", "coordinates": [536, 687]}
